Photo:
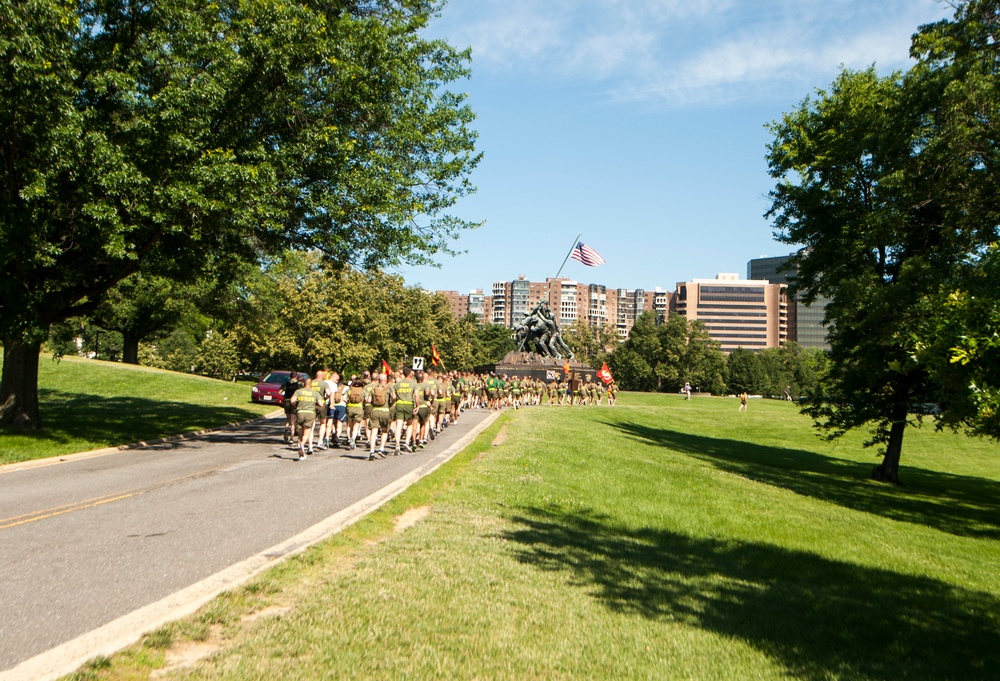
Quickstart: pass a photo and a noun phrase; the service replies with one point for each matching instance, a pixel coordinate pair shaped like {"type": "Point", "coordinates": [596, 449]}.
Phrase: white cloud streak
{"type": "Point", "coordinates": [686, 52]}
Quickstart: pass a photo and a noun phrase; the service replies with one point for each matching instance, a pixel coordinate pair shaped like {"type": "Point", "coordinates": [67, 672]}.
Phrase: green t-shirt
{"type": "Point", "coordinates": [426, 392]}
{"type": "Point", "coordinates": [305, 399]}
{"type": "Point", "coordinates": [406, 389]}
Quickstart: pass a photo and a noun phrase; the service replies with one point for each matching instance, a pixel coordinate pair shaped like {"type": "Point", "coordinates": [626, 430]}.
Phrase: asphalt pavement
{"type": "Point", "coordinates": [96, 551]}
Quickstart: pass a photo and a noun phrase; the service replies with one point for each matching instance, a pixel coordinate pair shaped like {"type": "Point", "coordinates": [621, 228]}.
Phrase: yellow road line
{"type": "Point", "coordinates": [14, 521]}
{"type": "Point", "coordinates": [60, 510]}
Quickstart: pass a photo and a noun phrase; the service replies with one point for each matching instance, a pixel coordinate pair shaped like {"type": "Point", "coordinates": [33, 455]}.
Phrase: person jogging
{"type": "Point", "coordinates": [287, 390]}
{"type": "Point", "coordinates": [355, 411]}
{"type": "Point", "coordinates": [380, 397]}
{"type": "Point", "coordinates": [305, 401]}
{"type": "Point", "coordinates": [407, 405]}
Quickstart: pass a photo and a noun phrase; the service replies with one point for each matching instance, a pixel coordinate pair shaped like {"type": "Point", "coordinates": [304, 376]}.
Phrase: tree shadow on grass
{"type": "Point", "coordinates": [70, 417]}
{"type": "Point", "coordinates": [819, 618]}
{"type": "Point", "coordinates": [959, 505]}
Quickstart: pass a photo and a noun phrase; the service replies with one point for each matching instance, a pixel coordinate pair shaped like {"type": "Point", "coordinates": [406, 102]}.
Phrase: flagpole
{"type": "Point", "coordinates": [575, 242]}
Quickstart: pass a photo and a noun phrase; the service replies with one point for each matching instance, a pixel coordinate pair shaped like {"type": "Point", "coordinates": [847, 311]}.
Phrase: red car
{"type": "Point", "coordinates": [269, 388]}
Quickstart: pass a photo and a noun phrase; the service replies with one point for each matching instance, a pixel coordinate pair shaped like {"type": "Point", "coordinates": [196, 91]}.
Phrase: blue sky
{"type": "Point", "coordinates": [641, 124]}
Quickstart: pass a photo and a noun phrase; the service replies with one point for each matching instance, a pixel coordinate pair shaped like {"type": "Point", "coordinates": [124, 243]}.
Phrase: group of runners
{"type": "Point", "coordinates": [328, 411]}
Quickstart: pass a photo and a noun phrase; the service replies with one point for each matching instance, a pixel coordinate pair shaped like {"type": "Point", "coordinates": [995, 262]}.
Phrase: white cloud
{"type": "Point", "coordinates": [678, 52]}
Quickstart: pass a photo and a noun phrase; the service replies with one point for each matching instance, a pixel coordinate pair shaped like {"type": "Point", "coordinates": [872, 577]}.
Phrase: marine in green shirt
{"type": "Point", "coordinates": [407, 403]}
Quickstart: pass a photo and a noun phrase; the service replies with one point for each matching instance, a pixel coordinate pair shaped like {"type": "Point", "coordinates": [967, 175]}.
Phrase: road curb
{"type": "Point", "coordinates": [113, 636]}
{"type": "Point", "coordinates": [94, 453]}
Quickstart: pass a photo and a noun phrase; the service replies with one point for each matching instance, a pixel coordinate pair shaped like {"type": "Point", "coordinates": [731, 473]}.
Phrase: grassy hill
{"type": "Point", "coordinates": [658, 539]}
{"type": "Point", "coordinates": [89, 404]}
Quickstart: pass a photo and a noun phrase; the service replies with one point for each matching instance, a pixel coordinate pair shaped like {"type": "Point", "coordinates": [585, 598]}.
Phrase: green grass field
{"type": "Point", "coordinates": [658, 539]}
{"type": "Point", "coordinates": [88, 404]}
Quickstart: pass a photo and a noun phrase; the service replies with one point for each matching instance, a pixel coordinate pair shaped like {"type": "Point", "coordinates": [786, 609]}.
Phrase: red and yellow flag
{"type": "Point", "coordinates": [566, 368]}
{"type": "Point", "coordinates": [605, 374]}
{"type": "Point", "coordinates": [435, 357]}
{"type": "Point", "coordinates": [386, 368]}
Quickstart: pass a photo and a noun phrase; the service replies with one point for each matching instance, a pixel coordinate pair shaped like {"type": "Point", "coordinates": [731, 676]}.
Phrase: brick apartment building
{"type": "Point", "coordinates": [568, 299]}
{"type": "Point", "coordinates": [475, 302]}
{"type": "Point", "coordinates": [753, 313]}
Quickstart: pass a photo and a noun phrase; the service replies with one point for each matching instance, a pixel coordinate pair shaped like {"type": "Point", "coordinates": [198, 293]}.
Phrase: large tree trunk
{"type": "Point", "coordinates": [19, 385]}
{"type": "Point", "coordinates": [130, 349]}
{"type": "Point", "coordinates": [888, 470]}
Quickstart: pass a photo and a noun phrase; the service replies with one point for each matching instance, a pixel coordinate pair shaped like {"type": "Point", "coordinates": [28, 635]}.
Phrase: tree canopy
{"type": "Point", "coordinates": [160, 137]}
{"type": "Point", "coordinates": [300, 313]}
{"type": "Point", "coordinates": [663, 357]}
{"type": "Point", "coordinates": [889, 184]}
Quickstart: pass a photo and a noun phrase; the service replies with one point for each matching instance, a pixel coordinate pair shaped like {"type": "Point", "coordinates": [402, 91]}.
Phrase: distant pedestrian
{"type": "Point", "coordinates": [687, 390]}
{"type": "Point", "coordinates": [788, 393]}
{"type": "Point", "coordinates": [743, 401]}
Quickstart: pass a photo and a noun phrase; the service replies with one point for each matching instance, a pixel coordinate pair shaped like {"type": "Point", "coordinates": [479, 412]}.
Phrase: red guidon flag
{"type": "Point", "coordinates": [435, 357]}
{"type": "Point", "coordinates": [386, 368]}
{"type": "Point", "coordinates": [566, 368]}
{"type": "Point", "coordinates": [605, 374]}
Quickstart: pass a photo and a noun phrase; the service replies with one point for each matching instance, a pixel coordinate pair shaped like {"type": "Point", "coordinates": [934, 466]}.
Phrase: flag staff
{"type": "Point", "coordinates": [575, 242]}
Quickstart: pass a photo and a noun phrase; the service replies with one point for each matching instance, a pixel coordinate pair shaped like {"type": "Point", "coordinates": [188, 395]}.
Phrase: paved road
{"type": "Point", "coordinates": [85, 542]}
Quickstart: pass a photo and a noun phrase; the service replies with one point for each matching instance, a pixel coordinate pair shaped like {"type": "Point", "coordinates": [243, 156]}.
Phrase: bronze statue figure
{"type": "Point", "coordinates": [539, 331]}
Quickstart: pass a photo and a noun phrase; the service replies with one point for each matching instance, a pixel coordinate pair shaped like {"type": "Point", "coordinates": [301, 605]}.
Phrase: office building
{"type": "Point", "coordinates": [805, 322]}
{"type": "Point", "coordinates": [738, 313]}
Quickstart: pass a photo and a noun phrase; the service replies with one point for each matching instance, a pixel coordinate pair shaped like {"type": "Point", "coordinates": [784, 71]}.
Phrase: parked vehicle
{"type": "Point", "coordinates": [269, 388]}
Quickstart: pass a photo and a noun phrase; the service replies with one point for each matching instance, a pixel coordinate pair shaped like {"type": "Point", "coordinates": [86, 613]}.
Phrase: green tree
{"type": "Point", "coordinates": [491, 343]}
{"type": "Point", "coordinates": [301, 313]}
{"type": "Point", "coordinates": [957, 341]}
{"type": "Point", "coordinates": [177, 351]}
{"type": "Point", "coordinates": [688, 354]}
{"type": "Point", "coordinates": [635, 362]}
{"type": "Point", "coordinates": [145, 137]}
{"type": "Point", "coordinates": [80, 337]}
{"type": "Point", "coordinates": [745, 372]}
{"type": "Point", "coordinates": [138, 306]}
{"type": "Point", "coordinates": [663, 357]}
{"type": "Point", "coordinates": [63, 337]}
{"type": "Point", "coordinates": [845, 166]}
{"type": "Point", "coordinates": [889, 184]}
{"type": "Point", "coordinates": [217, 357]}
{"type": "Point", "coordinates": [591, 344]}
{"type": "Point", "coordinates": [630, 369]}
{"type": "Point", "coordinates": [791, 366]}
{"type": "Point", "coordinates": [777, 373]}
{"type": "Point", "coordinates": [956, 337]}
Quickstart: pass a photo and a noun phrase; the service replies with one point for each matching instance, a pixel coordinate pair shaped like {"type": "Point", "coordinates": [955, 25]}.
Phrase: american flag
{"type": "Point", "coordinates": [587, 255]}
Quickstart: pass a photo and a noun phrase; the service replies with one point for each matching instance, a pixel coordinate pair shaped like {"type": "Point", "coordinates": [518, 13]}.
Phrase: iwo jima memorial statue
{"type": "Point", "coordinates": [541, 351]}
